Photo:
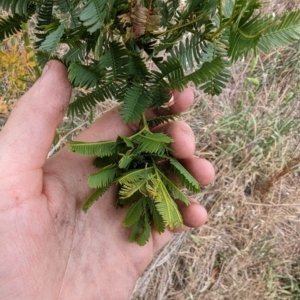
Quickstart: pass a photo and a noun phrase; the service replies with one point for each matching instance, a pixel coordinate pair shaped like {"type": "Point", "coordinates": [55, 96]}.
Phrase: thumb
{"type": "Point", "coordinates": [28, 134]}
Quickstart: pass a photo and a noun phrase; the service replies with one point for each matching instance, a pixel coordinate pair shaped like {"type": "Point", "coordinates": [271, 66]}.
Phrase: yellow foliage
{"type": "Point", "coordinates": [16, 68]}
{"type": "Point", "coordinates": [5, 107]}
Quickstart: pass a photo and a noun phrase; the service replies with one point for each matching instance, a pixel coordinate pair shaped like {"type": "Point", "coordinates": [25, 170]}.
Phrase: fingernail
{"type": "Point", "coordinates": [45, 70]}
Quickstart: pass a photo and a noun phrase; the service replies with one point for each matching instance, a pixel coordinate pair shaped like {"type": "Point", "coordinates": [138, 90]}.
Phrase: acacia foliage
{"type": "Point", "coordinates": [136, 51]}
{"type": "Point", "coordinates": [140, 165]}
{"type": "Point", "coordinates": [113, 42]}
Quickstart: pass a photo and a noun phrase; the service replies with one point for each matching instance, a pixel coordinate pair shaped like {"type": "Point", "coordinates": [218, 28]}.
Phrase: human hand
{"type": "Point", "coordinates": [49, 248]}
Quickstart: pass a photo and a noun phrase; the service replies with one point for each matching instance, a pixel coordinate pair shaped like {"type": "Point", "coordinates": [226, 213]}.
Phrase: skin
{"type": "Point", "coordinates": [49, 248]}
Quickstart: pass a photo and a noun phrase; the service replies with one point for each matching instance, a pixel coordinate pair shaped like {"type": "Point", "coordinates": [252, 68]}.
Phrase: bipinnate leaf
{"type": "Point", "coordinates": [185, 177]}
{"type": "Point", "coordinates": [45, 14]}
{"type": "Point", "coordinates": [146, 233]}
{"type": "Point", "coordinates": [94, 14]}
{"type": "Point", "coordinates": [148, 142]}
{"type": "Point", "coordinates": [206, 72]}
{"type": "Point", "coordinates": [173, 188]}
{"type": "Point", "coordinates": [188, 52]}
{"type": "Point", "coordinates": [101, 149]}
{"type": "Point", "coordinates": [156, 217]}
{"type": "Point", "coordinates": [117, 57]}
{"type": "Point", "coordinates": [164, 203]}
{"type": "Point", "coordinates": [10, 25]}
{"type": "Point", "coordinates": [16, 7]}
{"type": "Point", "coordinates": [126, 140]}
{"type": "Point", "coordinates": [129, 189]}
{"type": "Point", "coordinates": [172, 69]}
{"type": "Point", "coordinates": [216, 84]}
{"type": "Point", "coordinates": [136, 100]}
{"type": "Point", "coordinates": [104, 177]}
{"type": "Point", "coordinates": [141, 231]}
{"type": "Point", "coordinates": [134, 213]}
{"type": "Point", "coordinates": [134, 176]}
{"type": "Point", "coordinates": [161, 120]}
{"type": "Point", "coordinates": [75, 54]}
{"type": "Point", "coordinates": [52, 40]}
{"type": "Point", "coordinates": [285, 32]}
{"type": "Point", "coordinates": [94, 197]}
{"type": "Point", "coordinates": [84, 102]}
{"type": "Point", "coordinates": [134, 181]}
{"type": "Point", "coordinates": [126, 160]}
{"type": "Point", "coordinates": [245, 37]}
{"type": "Point", "coordinates": [83, 76]}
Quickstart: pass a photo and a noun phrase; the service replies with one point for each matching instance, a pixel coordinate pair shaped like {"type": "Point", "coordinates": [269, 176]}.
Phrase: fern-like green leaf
{"type": "Point", "coordinates": [129, 189]}
{"type": "Point", "coordinates": [160, 95]}
{"type": "Point", "coordinates": [66, 6]}
{"type": "Point", "coordinates": [185, 177]}
{"type": "Point", "coordinates": [216, 84]}
{"type": "Point", "coordinates": [146, 233]}
{"type": "Point", "coordinates": [10, 25]}
{"type": "Point", "coordinates": [93, 198]}
{"type": "Point", "coordinates": [285, 32]}
{"type": "Point", "coordinates": [45, 12]}
{"type": "Point", "coordinates": [141, 231]}
{"type": "Point", "coordinates": [125, 140]}
{"type": "Point", "coordinates": [85, 102]}
{"type": "Point", "coordinates": [178, 80]}
{"type": "Point", "coordinates": [52, 40]}
{"type": "Point", "coordinates": [75, 54]}
{"type": "Point", "coordinates": [206, 72]}
{"type": "Point", "coordinates": [94, 14]}
{"type": "Point", "coordinates": [173, 188]}
{"type": "Point", "coordinates": [173, 71]}
{"type": "Point", "coordinates": [153, 122]}
{"type": "Point", "coordinates": [164, 203]}
{"type": "Point", "coordinates": [135, 176]}
{"type": "Point", "coordinates": [136, 67]}
{"type": "Point", "coordinates": [104, 177]}
{"type": "Point", "coordinates": [126, 160]}
{"type": "Point", "coordinates": [101, 149]}
{"type": "Point", "coordinates": [169, 9]}
{"type": "Point", "coordinates": [157, 143]}
{"type": "Point", "coordinates": [114, 62]}
{"type": "Point", "coordinates": [188, 52]}
{"type": "Point", "coordinates": [157, 218]}
{"type": "Point", "coordinates": [136, 100]}
{"type": "Point", "coordinates": [16, 6]}
{"type": "Point", "coordinates": [134, 213]}
{"type": "Point", "coordinates": [83, 76]}
{"type": "Point", "coordinates": [246, 37]}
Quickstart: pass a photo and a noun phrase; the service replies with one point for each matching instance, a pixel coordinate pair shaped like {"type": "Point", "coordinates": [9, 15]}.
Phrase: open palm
{"type": "Point", "coordinates": [49, 248]}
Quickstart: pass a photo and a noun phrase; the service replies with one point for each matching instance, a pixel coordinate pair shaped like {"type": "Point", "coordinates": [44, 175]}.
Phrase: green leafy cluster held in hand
{"type": "Point", "coordinates": [140, 166]}
{"type": "Point", "coordinates": [137, 51]}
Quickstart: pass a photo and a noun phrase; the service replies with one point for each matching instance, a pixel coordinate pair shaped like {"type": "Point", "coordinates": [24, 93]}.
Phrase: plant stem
{"type": "Point", "coordinates": [222, 27]}
{"type": "Point", "coordinates": [29, 48]}
{"type": "Point", "coordinates": [220, 7]}
{"type": "Point", "coordinates": [179, 26]}
{"type": "Point", "coordinates": [145, 124]}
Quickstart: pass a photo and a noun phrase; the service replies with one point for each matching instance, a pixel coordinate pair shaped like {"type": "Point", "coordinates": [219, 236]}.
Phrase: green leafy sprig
{"type": "Point", "coordinates": [140, 166]}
